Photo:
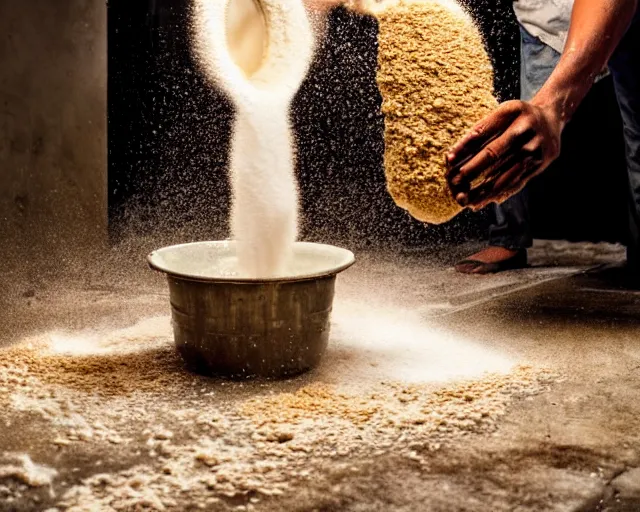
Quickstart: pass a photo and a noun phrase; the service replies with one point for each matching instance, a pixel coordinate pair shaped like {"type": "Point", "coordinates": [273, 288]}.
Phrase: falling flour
{"type": "Point", "coordinates": [264, 215]}
{"type": "Point", "coordinates": [436, 82]}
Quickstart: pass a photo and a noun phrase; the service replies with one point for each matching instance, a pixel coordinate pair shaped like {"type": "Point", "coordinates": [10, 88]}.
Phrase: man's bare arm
{"type": "Point", "coordinates": [520, 139]}
{"type": "Point", "coordinates": [595, 31]}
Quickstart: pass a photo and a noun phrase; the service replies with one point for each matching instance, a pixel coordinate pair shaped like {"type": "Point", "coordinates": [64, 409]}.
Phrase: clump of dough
{"type": "Point", "coordinates": [436, 82]}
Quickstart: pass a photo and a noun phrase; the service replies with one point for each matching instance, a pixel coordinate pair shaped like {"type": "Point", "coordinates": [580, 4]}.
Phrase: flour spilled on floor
{"type": "Point", "coordinates": [131, 339]}
{"type": "Point", "coordinates": [20, 467]}
{"type": "Point", "coordinates": [387, 342]}
{"type": "Point", "coordinates": [174, 436]}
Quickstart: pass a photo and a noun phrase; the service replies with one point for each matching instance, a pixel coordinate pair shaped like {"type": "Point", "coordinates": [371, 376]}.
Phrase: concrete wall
{"type": "Point", "coordinates": [53, 147]}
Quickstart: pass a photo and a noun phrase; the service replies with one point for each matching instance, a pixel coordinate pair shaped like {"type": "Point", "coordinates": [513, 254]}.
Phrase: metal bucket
{"type": "Point", "coordinates": [236, 327]}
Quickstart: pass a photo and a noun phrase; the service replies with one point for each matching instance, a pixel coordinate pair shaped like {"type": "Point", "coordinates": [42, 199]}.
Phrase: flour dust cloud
{"type": "Point", "coordinates": [264, 215]}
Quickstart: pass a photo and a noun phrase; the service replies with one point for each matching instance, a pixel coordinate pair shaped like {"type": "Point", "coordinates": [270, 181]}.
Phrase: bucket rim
{"type": "Point", "coordinates": [153, 259]}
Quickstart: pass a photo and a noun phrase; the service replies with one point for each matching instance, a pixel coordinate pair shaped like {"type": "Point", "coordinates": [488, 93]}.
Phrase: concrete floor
{"type": "Point", "coordinates": [572, 445]}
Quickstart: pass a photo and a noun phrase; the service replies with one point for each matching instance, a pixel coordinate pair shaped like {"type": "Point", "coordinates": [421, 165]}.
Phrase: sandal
{"type": "Point", "coordinates": [469, 266]}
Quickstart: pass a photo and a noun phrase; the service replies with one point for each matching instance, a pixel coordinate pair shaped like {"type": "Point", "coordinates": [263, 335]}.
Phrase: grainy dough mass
{"type": "Point", "coordinates": [436, 82]}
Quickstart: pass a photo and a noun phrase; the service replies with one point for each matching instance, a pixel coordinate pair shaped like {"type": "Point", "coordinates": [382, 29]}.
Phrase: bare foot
{"type": "Point", "coordinates": [493, 259]}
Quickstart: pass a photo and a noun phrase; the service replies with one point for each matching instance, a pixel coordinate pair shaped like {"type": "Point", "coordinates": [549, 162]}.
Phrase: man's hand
{"type": "Point", "coordinates": [519, 140]}
{"type": "Point", "coordinates": [503, 152]}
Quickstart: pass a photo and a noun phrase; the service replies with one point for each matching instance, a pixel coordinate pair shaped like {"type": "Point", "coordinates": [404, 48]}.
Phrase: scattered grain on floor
{"type": "Point", "coordinates": [174, 435]}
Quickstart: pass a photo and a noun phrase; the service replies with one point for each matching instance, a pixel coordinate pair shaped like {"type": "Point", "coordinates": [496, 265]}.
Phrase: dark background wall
{"type": "Point", "coordinates": [53, 172]}
{"type": "Point", "coordinates": [169, 138]}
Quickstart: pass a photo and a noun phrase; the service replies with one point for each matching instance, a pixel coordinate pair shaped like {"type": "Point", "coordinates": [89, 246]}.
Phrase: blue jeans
{"type": "Point", "coordinates": [538, 61]}
{"type": "Point", "coordinates": [625, 69]}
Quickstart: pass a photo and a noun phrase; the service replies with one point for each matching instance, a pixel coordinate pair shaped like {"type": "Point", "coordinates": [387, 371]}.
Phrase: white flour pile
{"type": "Point", "coordinates": [106, 402]}
{"type": "Point", "coordinates": [264, 215]}
{"type": "Point", "coordinates": [154, 437]}
{"type": "Point", "coordinates": [22, 468]}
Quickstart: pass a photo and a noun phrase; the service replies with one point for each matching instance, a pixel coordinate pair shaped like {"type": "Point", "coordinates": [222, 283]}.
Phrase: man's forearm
{"type": "Point", "coordinates": [597, 26]}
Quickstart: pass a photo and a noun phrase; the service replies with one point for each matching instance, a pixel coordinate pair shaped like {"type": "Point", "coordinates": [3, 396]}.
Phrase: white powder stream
{"type": "Point", "coordinates": [264, 217]}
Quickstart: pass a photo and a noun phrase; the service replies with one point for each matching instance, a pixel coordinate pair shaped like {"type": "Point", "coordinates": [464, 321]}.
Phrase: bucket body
{"type": "Point", "coordinates": [233, 325]}
{"type": "Point", "coordinates": [243, 330]}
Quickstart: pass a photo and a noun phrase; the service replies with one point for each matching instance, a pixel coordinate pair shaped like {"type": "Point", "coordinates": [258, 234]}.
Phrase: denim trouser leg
{"type": "Point", "coordinates": [538, 61]}
{"type": "Point", "coordinates": [625, 69]}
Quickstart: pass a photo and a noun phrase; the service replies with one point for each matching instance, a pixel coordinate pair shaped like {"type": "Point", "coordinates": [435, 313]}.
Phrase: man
{"type": "Point", "coordinates": [544, 25]}
{"type": "Point", "coordinates": [519, 140]}
{"type": "Point", "coordinates": [565, 48]}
